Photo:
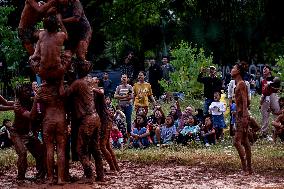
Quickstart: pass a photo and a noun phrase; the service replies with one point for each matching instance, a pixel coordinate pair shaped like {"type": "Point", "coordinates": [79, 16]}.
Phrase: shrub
{"type": "Point", "coordinates": [187, 61]}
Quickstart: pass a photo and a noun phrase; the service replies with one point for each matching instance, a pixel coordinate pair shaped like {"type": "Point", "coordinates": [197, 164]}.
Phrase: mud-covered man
{"type": "Point", "coordinates": [49, 50]}
{"type": "Point", "coordinates": [54, 126]}
{"type": "Point", "coordinates": [21, 135]}
{"type": "Point", "coordinates": [78, 27]}
{"type": "Point", "coordinates": [32, 13]}
{"type": "Point", "coordinates": [88, 121]}
{"type": "Point", "coordinates": [241, 140]}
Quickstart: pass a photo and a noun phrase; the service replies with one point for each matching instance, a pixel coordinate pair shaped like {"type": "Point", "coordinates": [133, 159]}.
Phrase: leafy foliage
{"type": "Point", "coordinates": [280, 69]}
{"type": "Point", "coordinates": [187, 61]}
{"type": "Point", "coordinates": [11, 47]}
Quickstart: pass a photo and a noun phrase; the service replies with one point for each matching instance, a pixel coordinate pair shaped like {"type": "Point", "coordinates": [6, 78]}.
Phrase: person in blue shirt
{"type": "Point", "coordinates": [166, 133]}
{"type": "Point", "coordinates": [189, 132]}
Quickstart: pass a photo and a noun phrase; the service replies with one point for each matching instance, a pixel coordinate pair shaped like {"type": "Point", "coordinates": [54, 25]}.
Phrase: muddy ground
{"type": "Point", "coordinates": [141, 176]}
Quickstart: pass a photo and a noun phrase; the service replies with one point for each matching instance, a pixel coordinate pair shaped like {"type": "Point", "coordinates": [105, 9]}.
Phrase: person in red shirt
{"type": "Point", "coordinates": [269, 103]}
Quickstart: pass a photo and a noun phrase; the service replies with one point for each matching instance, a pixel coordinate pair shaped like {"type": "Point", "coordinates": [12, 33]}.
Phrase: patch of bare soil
{"type": "Point", "coordinates": [141, 176]}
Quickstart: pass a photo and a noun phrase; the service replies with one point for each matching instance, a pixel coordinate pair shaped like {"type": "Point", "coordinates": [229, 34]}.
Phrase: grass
{"type": "Point", "coordinates": [265, 156]}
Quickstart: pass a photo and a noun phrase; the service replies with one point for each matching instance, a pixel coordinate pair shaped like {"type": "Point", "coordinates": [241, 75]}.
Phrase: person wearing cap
{"type": "Point", "coordinates": [211, 84]}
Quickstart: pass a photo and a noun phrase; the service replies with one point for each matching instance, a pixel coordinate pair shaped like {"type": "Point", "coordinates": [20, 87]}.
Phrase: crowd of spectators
{"type": "Point", "coordinates": [139, 120]}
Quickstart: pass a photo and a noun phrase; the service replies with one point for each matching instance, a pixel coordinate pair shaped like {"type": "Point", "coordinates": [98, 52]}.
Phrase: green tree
{"type": "Point", "coordinates": [10, 45]}
{"type": "Point", "coordinates": [187, 61]}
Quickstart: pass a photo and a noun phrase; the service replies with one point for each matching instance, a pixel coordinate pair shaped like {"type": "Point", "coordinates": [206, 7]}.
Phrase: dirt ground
{"type": "Point", "coordinates": [140, 176]}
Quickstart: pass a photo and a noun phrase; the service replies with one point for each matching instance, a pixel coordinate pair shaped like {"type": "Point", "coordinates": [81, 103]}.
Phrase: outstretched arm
{"type": "Point", "coordinates": [5, 102]}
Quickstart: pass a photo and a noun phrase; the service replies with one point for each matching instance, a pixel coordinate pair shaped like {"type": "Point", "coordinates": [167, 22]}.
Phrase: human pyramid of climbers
{"type": "Point", "coordinates": [66, 32]}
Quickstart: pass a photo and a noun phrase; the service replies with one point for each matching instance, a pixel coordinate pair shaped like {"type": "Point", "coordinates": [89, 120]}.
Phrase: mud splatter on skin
{"type": "Point", "coordinates": [133, 175]}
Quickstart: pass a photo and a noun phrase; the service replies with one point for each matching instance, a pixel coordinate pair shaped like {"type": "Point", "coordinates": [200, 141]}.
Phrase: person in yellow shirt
{"type": "Point", "coordinates": [142, 93]}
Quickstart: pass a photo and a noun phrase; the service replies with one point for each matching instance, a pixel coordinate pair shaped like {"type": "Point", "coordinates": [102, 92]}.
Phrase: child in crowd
{"type": "Point", "coordinates": [140, 133]}
{"type": "Point", "coordinates": [208, 133]}
{"type": "Point", "coordinates": [199, 116]}
{"type": "Point", "coordinates": [154, 121]}
{"type": "Point", "coordinates": [120, 121]}
{"type": "Point", "coordinates": [176, 111]}
{"type": "Point", "coordinates": [5, 138]}
{"type": "Point", "coordinates": [217, 110]}
{"type": "Point", "coordinates": [233, 112]}
{"type": "Point", "coordinates": [116, 137]}
{"type": "Point", "coordinates": [189, 132]}
{"type": "Point", "coordinates": [166, 133]}
{"type": "Point", "coordinates": [109, 102]}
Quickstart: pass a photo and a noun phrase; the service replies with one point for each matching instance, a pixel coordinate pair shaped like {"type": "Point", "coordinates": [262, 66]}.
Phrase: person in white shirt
{"type": "Point", "coordinates": [217, 109]}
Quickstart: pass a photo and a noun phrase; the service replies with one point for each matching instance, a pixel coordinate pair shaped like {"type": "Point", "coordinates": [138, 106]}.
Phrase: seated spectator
{"type": "Point", "coordinates": [176, 111]}
{"type": "Point", "coordinates": [217, 110]}
{"type": "Point", "coordinates": [116, 137]}
{"type": "Point", "coordinates": [189, 132]}
{"type": "Point", "coordinates": [208, 133]}
{"type": "Point", "coordinates": [119, 119]}
{"type": "Point", "coordinates": [189, 111]}
{"type": "Point", "coordinates": [5, 138]}
{"type": "Point", "coordinates": [141, 110]}
{"type": "Point", "coordinates": [166, 133]}
{"type": "Point", "coordinates": [199, 116]}
{"type": "Point", "coordinates": [154, 121]}
{"type": "Point", "coordinates": [278, 124]}
{"type": "Point", "coordinates": [108, 101]}
{"type": "Point", "coordinates": [140, 133]}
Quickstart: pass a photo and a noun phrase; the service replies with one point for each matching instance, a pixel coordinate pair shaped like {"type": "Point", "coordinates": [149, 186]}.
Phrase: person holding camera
{"type": "Point", "coordinates": [124, 94]}
{"type": "Point", "coordinates": [211, 84]}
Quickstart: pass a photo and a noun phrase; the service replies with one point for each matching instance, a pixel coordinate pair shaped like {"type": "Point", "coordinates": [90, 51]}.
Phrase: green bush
{"type": "Point", "coordinates": [187, 61]}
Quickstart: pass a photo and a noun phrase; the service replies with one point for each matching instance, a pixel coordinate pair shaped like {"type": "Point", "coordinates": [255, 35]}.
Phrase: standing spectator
{"type": "Point", "coordinates": [142, 93]}
{"type": "Point", "coordinates": [166, 68]}
{"type": "Point", "coordinates": [124, 94]}
{"type": "Point", "coordinates": [155, 75]}
{"type": "Point", "coordinates": [269, 104]}
{"type": "Point", "coordinates": [107, 84]}
{"type": "Point", "coordinates": [130, 67]}
{"type": "Point", "coordinates": [211, 84]}
{"type": "Point", "coordinates": [217, 110]}
{"type": "Point", "coordinates": [258, 82]}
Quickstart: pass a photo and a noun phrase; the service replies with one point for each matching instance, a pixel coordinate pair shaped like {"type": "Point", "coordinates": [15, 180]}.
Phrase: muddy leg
{"type": "Point", "coordinates": [97, 156]}
{"type": "Point", "coordinates": [247, 148]}
{"type": "Point", "coordinates": [21, 151]}
{"type": "Point", "coordinates": [82, 149]}
{"type": "Point", "coordinates": [38, 152]}
{"type": "Point", "coordinates": [61, 145]}
{"type": "Point", "coordinates": [240, 148]}
{"type": "Point", "coordinates": [49, 139]}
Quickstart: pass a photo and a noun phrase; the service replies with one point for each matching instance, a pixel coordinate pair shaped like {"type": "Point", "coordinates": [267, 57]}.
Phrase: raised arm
{"type": "Point", "coordinates": [43, 8]}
